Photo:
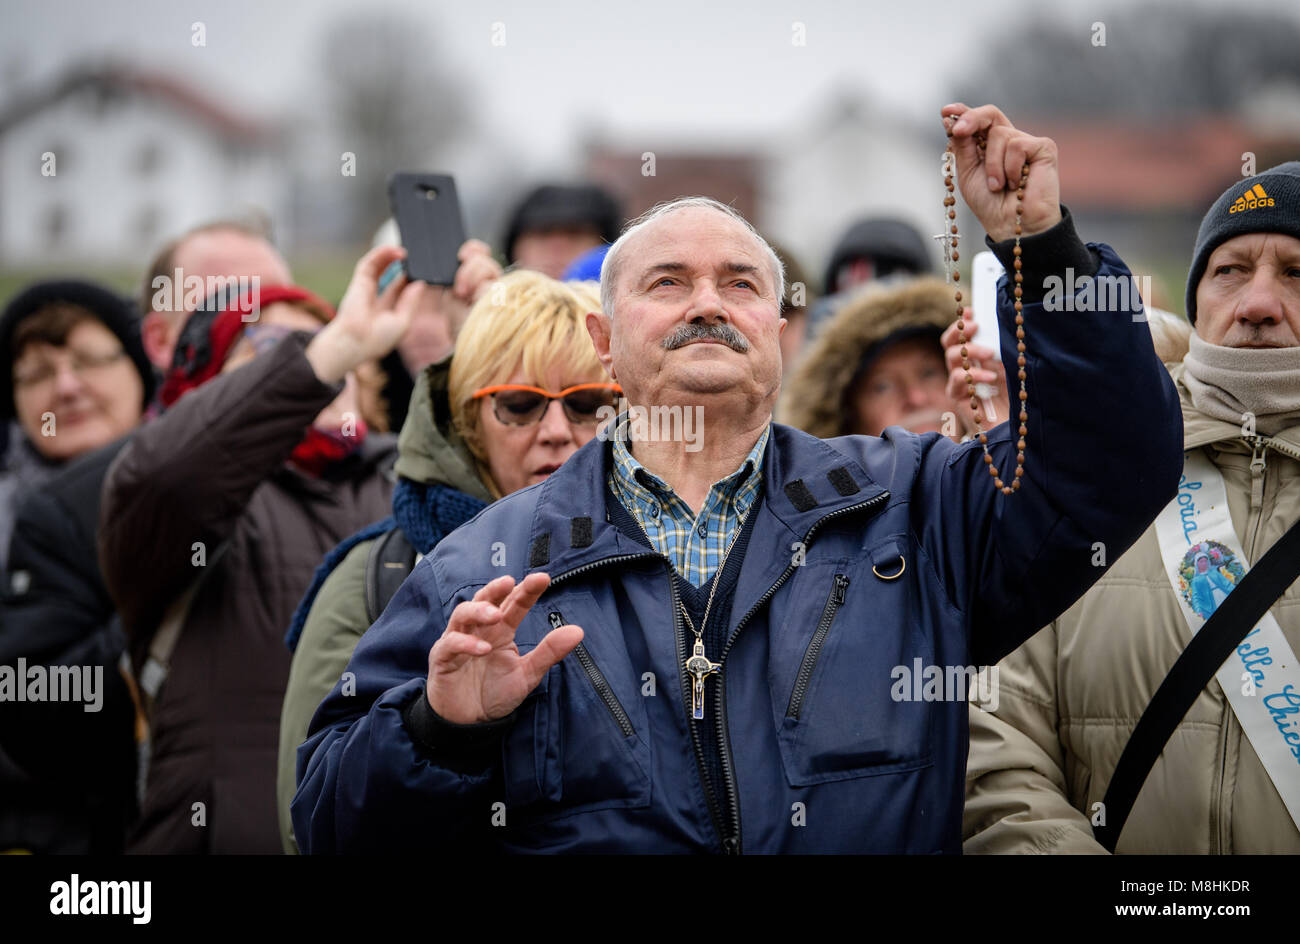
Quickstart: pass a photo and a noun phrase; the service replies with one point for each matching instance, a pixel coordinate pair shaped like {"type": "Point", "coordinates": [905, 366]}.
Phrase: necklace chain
{"type": "Point", "coordinates": [950, 259]}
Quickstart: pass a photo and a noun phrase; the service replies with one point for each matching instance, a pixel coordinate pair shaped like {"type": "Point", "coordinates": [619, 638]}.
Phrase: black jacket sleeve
{"type": "Point", "coordinates": [58, 613]}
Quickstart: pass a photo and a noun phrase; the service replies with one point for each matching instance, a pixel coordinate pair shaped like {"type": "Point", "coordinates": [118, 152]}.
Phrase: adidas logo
{"type": "Point", "coordinates": [1250, 200]}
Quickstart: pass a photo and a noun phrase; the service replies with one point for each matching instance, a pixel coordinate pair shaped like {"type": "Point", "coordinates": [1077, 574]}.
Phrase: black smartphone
{"type": "Point", "coordinates": [428, 215]}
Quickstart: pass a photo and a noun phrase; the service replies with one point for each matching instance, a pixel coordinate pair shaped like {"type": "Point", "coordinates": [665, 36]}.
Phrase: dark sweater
{"type": "Point", "coordinates": [715, 632]}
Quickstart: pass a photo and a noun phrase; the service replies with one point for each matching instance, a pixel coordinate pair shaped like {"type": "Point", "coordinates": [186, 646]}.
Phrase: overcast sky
{"type": "Point", "coordinates": [675, 70]}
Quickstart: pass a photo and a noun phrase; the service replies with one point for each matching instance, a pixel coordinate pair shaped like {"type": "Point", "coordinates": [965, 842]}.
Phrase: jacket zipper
{"type": "Point", "coordinates": [833, 603]}
{"type": "Point", "coordinates": [710, 796]}
{"type": "Point", "coordinates": [597, 680]}
{"type": "Point", "coordinates": [679, 634]}
{"type": "Point", "coordinates": [1258, 470]}
{"type": "Point", "coordinates": [732, 843]}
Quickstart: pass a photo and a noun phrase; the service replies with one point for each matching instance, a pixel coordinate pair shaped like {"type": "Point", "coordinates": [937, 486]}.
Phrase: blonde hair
{"type": "Point", "coordinates": [526, 321]}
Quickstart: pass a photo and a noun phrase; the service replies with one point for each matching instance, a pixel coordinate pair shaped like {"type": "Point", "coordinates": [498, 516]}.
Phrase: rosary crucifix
{"type": "Point", "coordinates": [946, 239]}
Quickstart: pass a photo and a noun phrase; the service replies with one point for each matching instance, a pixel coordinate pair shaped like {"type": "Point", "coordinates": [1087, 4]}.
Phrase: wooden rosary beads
{"type": "Point", "coordinates": [951, 257]}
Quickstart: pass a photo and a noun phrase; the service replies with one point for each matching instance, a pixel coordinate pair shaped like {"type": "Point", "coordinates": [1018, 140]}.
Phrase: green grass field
{"type": "Point", "coordinates": [325, 274]}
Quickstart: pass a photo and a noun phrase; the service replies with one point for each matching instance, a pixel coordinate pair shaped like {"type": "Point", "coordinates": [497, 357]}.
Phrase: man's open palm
{"type": "Point", "coordinates": [476, 673]}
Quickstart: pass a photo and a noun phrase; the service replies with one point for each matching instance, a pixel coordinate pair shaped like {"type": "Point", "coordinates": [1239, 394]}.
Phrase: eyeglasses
{"type": "Point", "coordinates": [82, 364]}
{"type": "Point", "coordinates": [521, 405]}
{"type": "Point", "coordinates": [897, 387]}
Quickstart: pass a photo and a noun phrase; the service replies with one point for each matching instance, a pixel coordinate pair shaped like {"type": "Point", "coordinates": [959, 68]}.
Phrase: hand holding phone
{"type": "Point", "coordinates": [427, 211]}
{"type": "Point", "coordinates": [985, 272]}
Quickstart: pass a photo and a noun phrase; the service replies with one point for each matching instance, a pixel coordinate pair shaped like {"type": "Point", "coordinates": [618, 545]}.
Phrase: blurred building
{"type": "Point", "coordinates": [1138, 185]}
{"type": "Point", "coordinates": [103, 163]}
{"type": "Point", "coordinates": [848, 160]}
{"type": "Point", "coordinates": [852, 159]}
{"type": "Point", "coordinates": [640, 180]}
{"type": "Point", "coordinates": [1144, 186]}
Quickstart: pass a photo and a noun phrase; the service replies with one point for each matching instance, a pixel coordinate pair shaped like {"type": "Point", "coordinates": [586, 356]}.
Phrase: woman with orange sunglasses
{"type": "Point", "coordinates": [522, 392]}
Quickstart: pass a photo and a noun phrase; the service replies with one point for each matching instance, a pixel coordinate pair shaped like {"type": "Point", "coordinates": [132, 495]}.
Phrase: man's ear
{"type": "Point", "coordinates": [155, 335]}
{"type": "Point", "coordinates": [598, 326]}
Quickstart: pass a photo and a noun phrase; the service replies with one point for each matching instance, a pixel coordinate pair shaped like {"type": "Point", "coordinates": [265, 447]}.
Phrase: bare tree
{"type": "Point", "coordinates": [392, 103]}
{"type": "Point", "coordinates": [1158, 59]}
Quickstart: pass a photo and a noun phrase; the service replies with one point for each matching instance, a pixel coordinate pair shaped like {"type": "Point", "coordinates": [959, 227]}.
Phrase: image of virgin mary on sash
{"type": "Point", "coordinates": [1208, 573]}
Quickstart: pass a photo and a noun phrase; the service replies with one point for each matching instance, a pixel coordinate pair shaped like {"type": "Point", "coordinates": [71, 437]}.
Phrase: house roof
{"type": "Point", "coordinates": [1140, 166]}
{"type": "Point", "coordinates": [123, 80]}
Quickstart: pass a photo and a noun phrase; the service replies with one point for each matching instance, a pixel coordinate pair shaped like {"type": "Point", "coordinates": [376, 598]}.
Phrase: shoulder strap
{"type": "Point", "coordinates": [154, 671]}
{"type": "Point", "coordinates": [389, 562]}
{"type": "Point", "coordinates": [1241, 609]}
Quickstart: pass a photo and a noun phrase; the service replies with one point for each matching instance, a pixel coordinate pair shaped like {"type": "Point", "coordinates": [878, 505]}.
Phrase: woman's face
{"type": "Point", "coordinates": [907, 386]}
{"type": "Point", "coordinates": [519, 456]}
{"type": "Point", "coordinates": [78, 396]}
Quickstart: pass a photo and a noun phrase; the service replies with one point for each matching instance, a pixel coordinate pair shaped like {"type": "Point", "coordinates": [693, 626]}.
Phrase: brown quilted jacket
{"type": "Point", "coordinates": [211, 472]}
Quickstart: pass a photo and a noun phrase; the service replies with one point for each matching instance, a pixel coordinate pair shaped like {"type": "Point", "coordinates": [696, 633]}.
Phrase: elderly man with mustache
{"type": "Point", "coordinates": [663, 650]}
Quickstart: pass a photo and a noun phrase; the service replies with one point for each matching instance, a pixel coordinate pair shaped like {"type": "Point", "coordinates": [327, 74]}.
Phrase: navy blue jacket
{"type": "Point", "coordinates": [817, 753]}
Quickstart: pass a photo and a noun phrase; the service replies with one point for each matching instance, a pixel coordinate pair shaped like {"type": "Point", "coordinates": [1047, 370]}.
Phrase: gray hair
{"type": "Point", "coordinates": [609, 268]}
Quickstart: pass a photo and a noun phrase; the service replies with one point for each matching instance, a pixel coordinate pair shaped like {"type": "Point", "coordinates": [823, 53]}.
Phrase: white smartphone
{"type": "Point", "coordinates": [985, 272]}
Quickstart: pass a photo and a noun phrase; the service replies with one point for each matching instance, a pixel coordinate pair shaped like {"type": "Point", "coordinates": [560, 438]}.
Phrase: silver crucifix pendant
{"type": "Point", "coordinates": [949, 242]}
{"type": "Point", "coordinates": [698, 667]}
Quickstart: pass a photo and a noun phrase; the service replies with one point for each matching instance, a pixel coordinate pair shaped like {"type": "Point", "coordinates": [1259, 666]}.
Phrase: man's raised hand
{"type": "Point", "coordinates": [476, 673]}
{"type": "Point", "coordinates": [989, 178]}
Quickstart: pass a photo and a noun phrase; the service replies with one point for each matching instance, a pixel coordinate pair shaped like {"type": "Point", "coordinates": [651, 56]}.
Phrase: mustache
{"type": "Point", "coordinates": [687, 333]}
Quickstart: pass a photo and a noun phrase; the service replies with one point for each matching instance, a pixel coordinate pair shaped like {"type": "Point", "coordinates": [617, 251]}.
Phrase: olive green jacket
{"type": "Point", "coordinates": [430, 452]}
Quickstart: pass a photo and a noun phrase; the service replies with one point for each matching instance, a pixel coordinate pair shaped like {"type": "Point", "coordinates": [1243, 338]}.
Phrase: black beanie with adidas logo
{"type": "Point", "coordinates": [1266, 203]}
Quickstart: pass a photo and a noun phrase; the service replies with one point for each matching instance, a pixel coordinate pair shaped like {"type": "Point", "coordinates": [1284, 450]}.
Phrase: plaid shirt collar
{"type": "Point", "coordinates": [695, 543]}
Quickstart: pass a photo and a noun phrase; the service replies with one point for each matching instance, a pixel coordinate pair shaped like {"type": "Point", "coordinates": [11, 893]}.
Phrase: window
{"type": "Point", "coordinates": [146, 225]}
{"type": "Point", "coordinates": [55, 225]}
{"type": "Point", "coordinates": [148, 159]}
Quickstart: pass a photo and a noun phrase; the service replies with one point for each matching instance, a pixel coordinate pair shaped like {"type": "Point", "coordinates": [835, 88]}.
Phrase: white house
{"type": "Point", "coordinates": [104, 163]}
{"type": "Point", "coordinates": [850, 160]}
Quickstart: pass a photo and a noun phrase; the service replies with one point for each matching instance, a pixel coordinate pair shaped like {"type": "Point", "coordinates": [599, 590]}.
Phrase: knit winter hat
{"type": "Point", "coordinates": [114, 312]}
{"type": "Point", "coordinates": [1266, 203]}
{"type": "Point", "coordinates": [551, 206]}
{"type": "Point", "coordinates": [894, 244]}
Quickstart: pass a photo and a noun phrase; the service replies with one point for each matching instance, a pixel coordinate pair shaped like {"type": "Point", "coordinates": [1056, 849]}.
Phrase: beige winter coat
{"type": "Point", "coordinates": [1070, 697]}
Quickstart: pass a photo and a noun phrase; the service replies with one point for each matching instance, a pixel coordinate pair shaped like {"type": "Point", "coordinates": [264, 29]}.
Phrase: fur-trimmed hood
{"type": "Point", "coordinates": [813, 395]}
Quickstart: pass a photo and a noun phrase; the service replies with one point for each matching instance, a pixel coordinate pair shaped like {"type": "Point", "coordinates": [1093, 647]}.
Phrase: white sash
{"type": "Point", "coordinates": [1204, 561]}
